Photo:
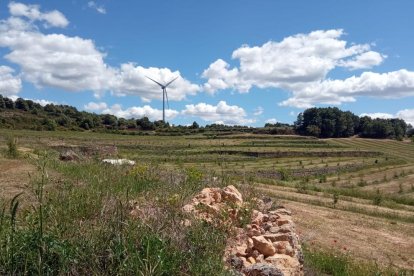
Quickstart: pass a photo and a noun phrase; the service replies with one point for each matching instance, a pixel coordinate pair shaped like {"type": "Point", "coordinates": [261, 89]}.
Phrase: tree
{"type": "Point", "coordinates": [194, 125]}
{"type": "Point", "coordinates": [145, 124]}
{"type": "Point", "coordinates": [8, 103]}
{"type": "Point", "coordinates": [109, 120]}
{"type": "Point", "coordinates": [49, 124]}
{"type": "Point", "coordinates": [2, 103]}
{"type": "Point", "coordinates": [21, 104]}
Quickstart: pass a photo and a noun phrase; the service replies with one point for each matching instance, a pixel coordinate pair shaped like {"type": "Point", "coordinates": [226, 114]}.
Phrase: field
{"type": "Point", "coordinates": [352, 199]}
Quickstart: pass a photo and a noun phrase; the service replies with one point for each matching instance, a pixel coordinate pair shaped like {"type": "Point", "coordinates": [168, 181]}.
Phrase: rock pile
{"type": "Point", "coordinates": [211, 202]}
{"type": "Point", "coordinates": [268, 245]}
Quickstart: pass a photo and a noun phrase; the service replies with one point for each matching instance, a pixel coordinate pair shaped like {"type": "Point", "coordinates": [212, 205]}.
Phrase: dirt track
{"type": "Point", "coordinates": [362, 236]}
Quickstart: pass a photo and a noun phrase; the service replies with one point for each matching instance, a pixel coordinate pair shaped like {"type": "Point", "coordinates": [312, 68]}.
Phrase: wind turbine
{"type": "Point", "coordinates": [164, 94]}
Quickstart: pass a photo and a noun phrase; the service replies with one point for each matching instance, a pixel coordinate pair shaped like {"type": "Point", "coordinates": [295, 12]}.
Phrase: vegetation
{"type": "Point", "coordinates": [319, 122]}
{"type": "Point", "coordinates": [332, 122]}
{"type": "Point", "coordinates": [75, 217]}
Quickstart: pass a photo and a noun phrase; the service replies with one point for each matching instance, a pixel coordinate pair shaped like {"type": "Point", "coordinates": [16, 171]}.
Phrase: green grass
{"type": "Point", "coordinates": [338, 263]}
{"type": "Point", "coordinates": [82, 225]}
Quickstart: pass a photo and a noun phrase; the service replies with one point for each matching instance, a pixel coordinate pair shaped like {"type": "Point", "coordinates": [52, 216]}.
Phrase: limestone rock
{"type": "Point", "coordinates": [263, 246]}
{"type": "Point", "coordinates": [262, 270]}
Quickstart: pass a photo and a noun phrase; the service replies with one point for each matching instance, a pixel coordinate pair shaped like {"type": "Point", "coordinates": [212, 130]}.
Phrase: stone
{"type": "Point", "coordinates": [282, 221]}
{"type": "Point", "coordinates": [253, 230]}
{"type": "Point", "coordinates": [257, 217]}
{"type": "Point", "coordinates": [263, 246]}
{"type": "Point", "coordinates": [255, 254]}
{"type": "Point", "coordinates": [232, 194]}
{"type": "Point", "coordinates": [69, 155]}
{"type": "Point", "coordinates": [250, 243]}
{"type": "Point", "coordinates": [283, 211]}
{"type": "Point", "coordinates": [262, 270]}
{"type": "Point", "coordinates": [119, 162]}
{"type": "Point", "coordinates": [260, 258]}
{"type": "Point", "coordinates": [188, 208]}
{"type": "Point", "coordinates": [245, 262]}
{"type": "Point", "coordinates": [277, 237]}
{"type": "Point", "coordinates": [236, 262]}
{"type": "Point", "coordinates": [287, 264]}
{"type": "Point", "coordinates": [267, 226]}
{"type": "Point", "coordinates": [284, 247]}
{"type": "Point", "coordinates": [241, 250]}
{"type": "Point", "coordinates": [274, 229]}
{"type": "Point", "coordinates": [274, 217]}
{"type": "Point", "coordinates": [286, 228]}
{"type": "Point", "coordinates": [251, 260]}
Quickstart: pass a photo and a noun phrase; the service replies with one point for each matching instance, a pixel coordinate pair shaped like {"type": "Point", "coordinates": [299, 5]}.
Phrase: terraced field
{"type": "Point", "coordinates": [354, 196]}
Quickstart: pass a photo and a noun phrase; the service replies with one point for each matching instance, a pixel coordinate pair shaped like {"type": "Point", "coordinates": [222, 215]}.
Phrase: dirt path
{"type": "Point", "coordinates": [361, 236]}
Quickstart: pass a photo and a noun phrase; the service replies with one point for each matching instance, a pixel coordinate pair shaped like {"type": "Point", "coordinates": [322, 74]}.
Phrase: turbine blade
{"type": "Point", "coordinates": [155, 81]}
{"type": "Point", "coordinates": [166, 95]}
{"type": "Point", "coordinates": [171, 81]}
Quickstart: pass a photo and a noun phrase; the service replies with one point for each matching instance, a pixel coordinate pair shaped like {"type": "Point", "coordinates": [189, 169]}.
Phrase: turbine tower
{"type": "Point", "coordinates": [164, 94]}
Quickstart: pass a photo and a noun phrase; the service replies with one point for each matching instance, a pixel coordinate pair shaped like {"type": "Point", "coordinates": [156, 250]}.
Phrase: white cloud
{"type": "Point", "coordinates": [9, 85]}
{"type": "Point", "coordinates": [364, 60]}
{"type": "Point", "coordinates": [53, 18]}
{"type": "Point", "coordinates": [296, 60]}
{"type": "Point", "coordinates": [258, 111]}
{"type": "Point", "coordinates": [43, 102]}
{"type": "Point", "coordinates": [132, 80]}
{"type": "Point", "coordinates": [300, 64]}
{"type": "Point", "coordinates": [379, 115]}
{"type": "Point", "coordinates": [99, 8]}
{"type": "Point", "coordinates": [406, 114]}
{"type": "Point", "coordinates": [92, 106]}
{"type": "Point", "coordinates": [222, 113]}
{"type": "Point", "coordinates": [131, 112]}
{"type": "Point", "coordinates": [75, 64]}
{"type": "Point", "coordinates": [396, 84]}
{"type": "Point", "coordinates": [271, 121]}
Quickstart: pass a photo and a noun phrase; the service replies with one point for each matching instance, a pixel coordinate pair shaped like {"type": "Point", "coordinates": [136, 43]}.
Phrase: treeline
{"type": "Point", "coordinates": [332, 122]}
{"type": "Point", "coordinates": [26, 114]}
{"type": "Point", "coordinates": [319, 122]}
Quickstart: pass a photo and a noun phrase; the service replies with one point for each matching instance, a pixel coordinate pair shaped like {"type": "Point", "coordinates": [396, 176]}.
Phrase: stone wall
{"type": "Point", "coordinates": [267, 245]}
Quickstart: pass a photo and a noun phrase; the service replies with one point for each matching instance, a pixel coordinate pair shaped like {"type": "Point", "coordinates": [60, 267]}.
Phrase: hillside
{"type": "Point", "coordinates": [351, 200]}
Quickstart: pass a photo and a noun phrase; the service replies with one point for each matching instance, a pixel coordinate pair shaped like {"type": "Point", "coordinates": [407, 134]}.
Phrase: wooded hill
{"type": "Point", "coordinates": [319, 122]}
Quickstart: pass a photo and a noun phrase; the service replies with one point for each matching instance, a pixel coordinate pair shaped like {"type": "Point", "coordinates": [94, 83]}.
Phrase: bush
{"type": "Point", "coordinates": [12, 151]}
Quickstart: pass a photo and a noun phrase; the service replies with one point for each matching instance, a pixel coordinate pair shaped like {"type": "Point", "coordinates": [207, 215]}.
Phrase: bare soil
{"type": "Point", "coordinates": [361, 236]}
{"type": "Point", "coordinates": [14, 177]}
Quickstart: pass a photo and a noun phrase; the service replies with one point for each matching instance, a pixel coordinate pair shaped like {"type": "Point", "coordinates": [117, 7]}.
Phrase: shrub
{"type": "Point", "coordinates": [12, 151]}
{"type": "Point", "coordinates": [285, 174]}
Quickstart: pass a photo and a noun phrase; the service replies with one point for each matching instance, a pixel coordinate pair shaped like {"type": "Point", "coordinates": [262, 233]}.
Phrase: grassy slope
{"type": "Point", "coordinates": [87, 229]}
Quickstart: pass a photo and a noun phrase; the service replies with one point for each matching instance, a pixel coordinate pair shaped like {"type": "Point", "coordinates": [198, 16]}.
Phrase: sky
{"type": "Point", "coordinates": [237, 61]}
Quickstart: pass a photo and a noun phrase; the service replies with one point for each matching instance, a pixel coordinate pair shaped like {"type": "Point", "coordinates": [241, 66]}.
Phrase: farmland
{"type": "Point", "coordinates": [350, 197]}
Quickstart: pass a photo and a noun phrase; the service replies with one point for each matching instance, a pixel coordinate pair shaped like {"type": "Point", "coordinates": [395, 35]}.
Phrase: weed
{"type": "Point", "coordinates": [12, 151]}
{"type": "Point", "coordinates": [377, 198]}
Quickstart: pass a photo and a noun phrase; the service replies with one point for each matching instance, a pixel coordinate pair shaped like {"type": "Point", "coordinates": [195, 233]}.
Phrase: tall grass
{"type": "Point", "coordinates": [82, 224]}
{"type": "Point", "coordinates": [335, 263]}
{"type": "Point", "coordinates": [12, 151]}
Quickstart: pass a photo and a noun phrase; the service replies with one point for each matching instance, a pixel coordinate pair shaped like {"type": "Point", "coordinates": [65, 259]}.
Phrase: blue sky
{"type": "Point", "coordinates": [238, 62]}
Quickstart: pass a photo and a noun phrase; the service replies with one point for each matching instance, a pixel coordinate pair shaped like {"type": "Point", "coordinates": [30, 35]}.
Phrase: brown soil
{"type": "Point", "coordinates": [14, 177]}
{"type": "Point", "coordinates": [362, 236]}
